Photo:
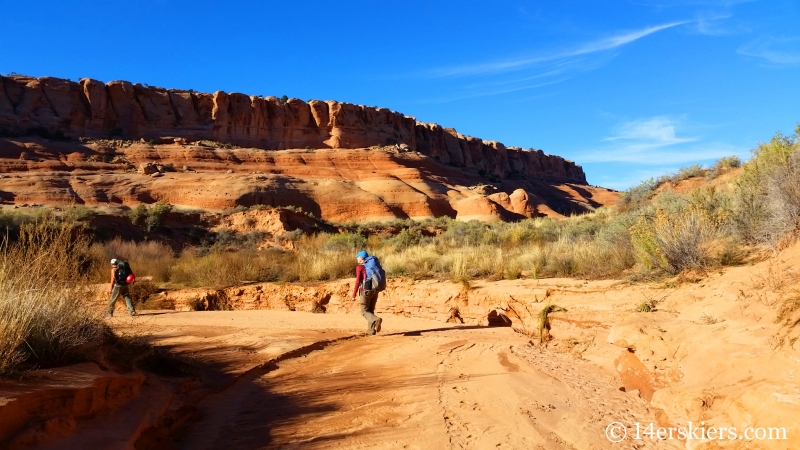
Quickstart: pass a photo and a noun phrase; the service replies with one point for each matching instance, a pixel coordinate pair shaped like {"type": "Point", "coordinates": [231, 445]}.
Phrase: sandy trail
{"type": "Point", "coordinates": [421, 384]}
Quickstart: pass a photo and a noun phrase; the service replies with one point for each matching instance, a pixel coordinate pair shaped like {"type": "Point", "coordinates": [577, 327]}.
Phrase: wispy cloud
{"type": "Point", "coordinates": [649, 133]}
{"type": "Point", "coordinates": [509, 65]}
{"type": "Point", "coordinates": [654, 141]}
{"type": "Point", "coordinates": [775, 51]}
{"type": "Point", "coordinates": [678, 3]}
{"type": "Point", "coordinates": [716, 25]}
{"type": "Point", "coordinates": [496, 91]}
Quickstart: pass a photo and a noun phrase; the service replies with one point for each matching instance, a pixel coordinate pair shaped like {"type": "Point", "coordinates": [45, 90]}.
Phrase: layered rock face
{"type": "Point", "coordinates": [335, 184]}
{"type": "Point", "coordinates": [53, 107]}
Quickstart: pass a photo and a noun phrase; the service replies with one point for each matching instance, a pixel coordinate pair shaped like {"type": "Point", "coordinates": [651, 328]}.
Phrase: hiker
{"type": "Point", "coordinates": [370, 280]}
{"type": "Point", "coordinates": [120, 275]}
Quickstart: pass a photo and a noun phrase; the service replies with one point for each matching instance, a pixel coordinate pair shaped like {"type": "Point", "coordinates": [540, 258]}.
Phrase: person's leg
{"type": "Point", "coordinates": [113, 301]}
{"type": "Point", "coordinates": [126, 294]}
{"type": "Point", "coordinates": [378, 320]}
{"type": "Point", "coordinates": [365, 301]}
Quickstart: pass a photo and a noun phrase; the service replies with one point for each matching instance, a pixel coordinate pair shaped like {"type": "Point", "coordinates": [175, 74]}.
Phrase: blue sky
{"type": "Point", "coordinates": [628, 89]}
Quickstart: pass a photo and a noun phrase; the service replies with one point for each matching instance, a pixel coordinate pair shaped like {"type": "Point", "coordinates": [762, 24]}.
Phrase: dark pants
{"type": "Point", "coordinates": [115, 293]}
{"type": "Point", "coordinates": [368, 301]}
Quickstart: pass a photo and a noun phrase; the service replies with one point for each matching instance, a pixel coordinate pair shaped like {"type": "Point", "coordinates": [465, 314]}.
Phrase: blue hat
{"type": "Point", "coordinates": [362, 254]}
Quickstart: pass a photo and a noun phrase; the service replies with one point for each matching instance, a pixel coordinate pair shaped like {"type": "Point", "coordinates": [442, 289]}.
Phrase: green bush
{"type": "Point", "coordinates": [155, 215]}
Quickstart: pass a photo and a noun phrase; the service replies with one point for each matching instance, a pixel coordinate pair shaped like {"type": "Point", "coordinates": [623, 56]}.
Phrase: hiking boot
{"type": "Point", "coordinates": [133, 313]}
{"type": "Point", "coordinates": [108, 316]}
{"type": "Point", "coordinates": [378, 325]}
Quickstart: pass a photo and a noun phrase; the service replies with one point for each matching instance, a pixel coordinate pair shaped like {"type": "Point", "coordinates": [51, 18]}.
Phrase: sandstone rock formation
{"type": "Point", "coordinates": [334, 184]}
{"type": "Point", "coordinates": [53, 107]}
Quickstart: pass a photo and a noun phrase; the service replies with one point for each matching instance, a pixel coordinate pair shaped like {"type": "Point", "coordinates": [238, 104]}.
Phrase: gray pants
{"type": "Point", "coordinates": [368, 302]}
{"type": "Point", "coordinates": [115, 293]}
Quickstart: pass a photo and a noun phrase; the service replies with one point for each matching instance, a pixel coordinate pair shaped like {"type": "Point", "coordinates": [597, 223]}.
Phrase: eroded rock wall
{"type": "Point", "coordinates": [53, 107]}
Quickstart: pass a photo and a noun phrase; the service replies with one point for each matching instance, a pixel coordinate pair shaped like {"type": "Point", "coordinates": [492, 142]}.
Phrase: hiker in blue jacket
{"type": "Point", "coordinates": [370, 280]}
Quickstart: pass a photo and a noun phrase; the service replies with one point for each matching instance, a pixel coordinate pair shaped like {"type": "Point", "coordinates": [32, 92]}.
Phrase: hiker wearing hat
{"type": "Point", "coordinates": [121, 277]}
{"type": "Point", "coordinates": [370, 280]}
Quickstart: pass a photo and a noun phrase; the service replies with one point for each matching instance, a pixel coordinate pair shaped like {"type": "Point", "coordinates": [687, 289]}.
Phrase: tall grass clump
{"type": "Point", "coordinates": [325, 257]}
{"type": "Point", "coordinates": [220, 268]}
{"type": "Point", "coordinates": [147, 259]}
{"type": "Point", "coordinates": [43, 319]}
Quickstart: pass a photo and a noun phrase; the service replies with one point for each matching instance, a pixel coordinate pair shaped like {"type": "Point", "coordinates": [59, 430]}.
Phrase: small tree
{"type": "Point", "coordinates": [137, 214]}
{"type": "Point", "coordinates": [155, 215]}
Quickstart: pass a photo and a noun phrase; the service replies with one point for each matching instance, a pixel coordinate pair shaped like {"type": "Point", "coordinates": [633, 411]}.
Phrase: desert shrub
{"type": "Point", "coordinates": [684, 240]}
{"type": "Point", "coordinates": [406, 238]}
{"type": "Point", "coordinates": [416, 261]}
{"type": "Point", "coordinates": [155, 215]}
{"type": "Point", "coordinates": [351, 242]}
{"type": "Point", "coordinates": [765, 197]}
{"type": "Point", "coordinates": [147, 259]}
{"type": "Point", "coordinates": [782, 203]}
{"type": "Point", "coordinates": [645, 246]}
{"type": "Point", "coordinates": [472, 262]}
{"type": "Point", "coordinates": [43, 320]}
{"type": "Point", "coordinates": [546, 229]}
{"type": "Point", "coordinates": [728, 162]}
{"type": "Point", "coordinates": [138, 214]}
{"type": "Point", "coordinates": [716, 203]}
{"type": "Point", "coordinates": [319, 265]}
{"type": "Point", "coordinates": [459, 234]}
{"type": "Point", "coordinates": [535, 260]}
{"type": "Point", "coordinates": [142, 290]}
{"type": "Point", "coordinates": [583, 226]}
{"type": "Point", "coordinates": [563, 264]}
{"type": "Point", "coordinates": [224, 268]}
{"type": "Point", "coordinates": [637, 196]}
{"type": "Point", "coordinates": [685, 173]}
{"type": "Point", "coordinates": [722, 165]}
{"type": "Point", "coordinates": [668, 201]}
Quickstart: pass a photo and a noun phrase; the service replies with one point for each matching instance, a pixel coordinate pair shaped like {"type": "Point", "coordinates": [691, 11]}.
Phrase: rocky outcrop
{"type": "Point", "coordinates": [55, 108]}
{"type": "Point", "coordinates": [49, 404]}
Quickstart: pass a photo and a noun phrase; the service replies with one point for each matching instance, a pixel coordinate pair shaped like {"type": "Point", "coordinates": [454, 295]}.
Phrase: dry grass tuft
{"type": "Point", "coordinates": [43, 319]}
{"type": "Point", "coordinates": [787, 309]}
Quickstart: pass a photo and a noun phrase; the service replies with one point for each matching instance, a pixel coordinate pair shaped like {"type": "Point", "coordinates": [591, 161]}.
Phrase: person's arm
{"type": "Point", "coordinates": [113, 278]}
{"type": "Point", "coordinates": [360, 273]}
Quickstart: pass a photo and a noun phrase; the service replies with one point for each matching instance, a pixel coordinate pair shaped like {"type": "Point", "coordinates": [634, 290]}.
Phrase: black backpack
{"type": "Point", "coordinates": [123, 270]}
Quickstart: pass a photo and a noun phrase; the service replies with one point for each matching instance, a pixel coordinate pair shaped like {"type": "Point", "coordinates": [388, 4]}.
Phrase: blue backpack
{"type": "Point", "coordinates": [375, 275]}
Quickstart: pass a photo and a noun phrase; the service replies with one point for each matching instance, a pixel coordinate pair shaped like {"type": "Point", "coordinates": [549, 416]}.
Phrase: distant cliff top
{"type": "Point", "coordinates": [53, 107]}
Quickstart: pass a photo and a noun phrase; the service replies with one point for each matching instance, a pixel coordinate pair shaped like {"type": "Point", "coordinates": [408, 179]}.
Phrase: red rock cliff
{"type": "Point", "coordinates": [55, 107]}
